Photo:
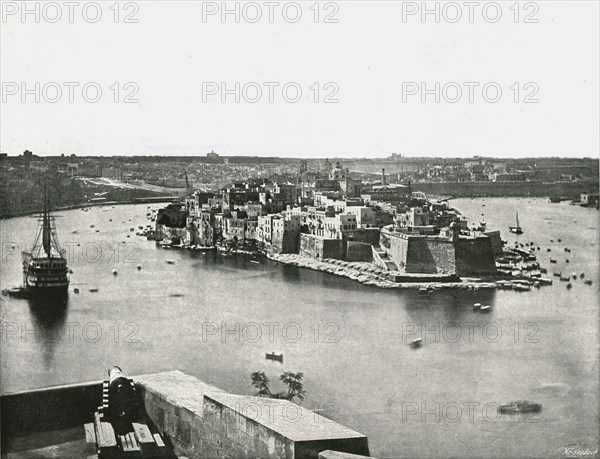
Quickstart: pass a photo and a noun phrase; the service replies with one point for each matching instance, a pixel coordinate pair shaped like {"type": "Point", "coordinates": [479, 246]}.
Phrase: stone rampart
{"type": "Point", "coordinates": [204, 421]}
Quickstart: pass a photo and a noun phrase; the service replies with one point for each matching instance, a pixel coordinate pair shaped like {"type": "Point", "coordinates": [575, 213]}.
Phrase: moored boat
{"type": "Point", "coordinates": [517, 228]}
{"type": "Point", "coordinates": [521, 406]}
{"type": "Point", "coordinates": [45, 271]}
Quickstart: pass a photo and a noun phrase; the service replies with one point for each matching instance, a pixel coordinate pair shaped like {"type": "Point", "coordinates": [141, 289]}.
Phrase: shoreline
{"type": "Point", "coordinates": [85, 205]}
{"type": "Point", "coordinates": [369, 274]}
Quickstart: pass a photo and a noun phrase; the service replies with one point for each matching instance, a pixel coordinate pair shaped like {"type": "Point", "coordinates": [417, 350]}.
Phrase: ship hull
{"type": "Point", "coordinates": [50, 293]}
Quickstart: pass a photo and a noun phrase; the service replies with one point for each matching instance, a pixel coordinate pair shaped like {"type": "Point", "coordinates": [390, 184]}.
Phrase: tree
{"type": "Point", "coordinates": [292, 380]}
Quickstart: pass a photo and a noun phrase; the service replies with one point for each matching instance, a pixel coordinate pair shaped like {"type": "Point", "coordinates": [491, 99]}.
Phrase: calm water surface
{"type": "Point", "coordinates": [215, 317]}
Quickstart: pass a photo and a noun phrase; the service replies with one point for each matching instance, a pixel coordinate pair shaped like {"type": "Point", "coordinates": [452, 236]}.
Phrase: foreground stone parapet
{"type": "Point", "coordinates": [205, 421]}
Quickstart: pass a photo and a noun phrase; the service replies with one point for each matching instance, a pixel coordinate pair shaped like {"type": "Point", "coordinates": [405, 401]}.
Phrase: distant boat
{"type": "Point", "coordinates": [516, 229]}
{"type": "Point", "coordinates": [417, 342]}
{"type": "Point", "coordinates": [522, 406]}
{"type": "Point", "coordinates": [485, 308]}
{"type": "Point", "coordinates": [170, 262]}
{"type": "Point", "coordinates": [275, 357]}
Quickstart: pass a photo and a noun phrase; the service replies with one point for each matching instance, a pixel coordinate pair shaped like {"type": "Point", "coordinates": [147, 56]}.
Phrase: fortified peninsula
{"type": "Point", "coordinates": [378, 233]}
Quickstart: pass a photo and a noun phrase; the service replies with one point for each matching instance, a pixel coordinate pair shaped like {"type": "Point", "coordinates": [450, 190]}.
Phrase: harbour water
{"type": "Point", "coordinates": [216, 316]}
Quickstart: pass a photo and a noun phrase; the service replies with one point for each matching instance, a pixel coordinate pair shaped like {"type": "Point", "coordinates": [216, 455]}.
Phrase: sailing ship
{"type": "Point", "coordinates": [45, 271]}
{"type": "Point", "coordinates": [516, 229]}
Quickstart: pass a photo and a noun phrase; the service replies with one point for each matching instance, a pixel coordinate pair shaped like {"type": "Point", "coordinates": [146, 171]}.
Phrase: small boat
{"type": "Point", "coordinates": [552, 260]}
{"type": "Point", "coordinates": [565, 278]}
{"type": "Point", "coordinates": [521, 287]}
{"type": "Point", "coordinates": [521, 406]}
{"type": "Point", "coordinates": [94, 289]}
{"type": "Point", "coordinates": [517, 228]}
{"type": "Point", "coordinates": [567, 260]}
{"type": "Point", "coordinates": [255, 261]}
{"type": "Point", "coordinates": [485, 308]}
{"type": "Point", "coordinates": [170, 262]}
{"type": "Point", "coordinates": [582, 275]}
{"type": "Point", "coordinates": [425, 291]}
{"type": "Point", "coordinates": [588, 282]}
{"type": "Point", "coordinates": [114, 271]}
{"type": "Point", "coordinates": [559, 240]}
{"type": "Point", "coordinates": [557, 273]}
{"type": "Point", "coordinates": [275, 357]}
{"type": "Point", "coordinates": [569, 285]}
{"type": "Point", "coordinates": [76, 290]}
{"type": "Point", "coordinates": [477, 306]}
{"type": "Point", "coordinates": [139, 267]}
{"type": "Point", "coordinates": [549, 250]}
{"type": "Point", "coordinates": [417, 342]}
{"type": "Point", "coordinates": [574, 276]}
{"type": "Point", "coordinates": [16, 292]}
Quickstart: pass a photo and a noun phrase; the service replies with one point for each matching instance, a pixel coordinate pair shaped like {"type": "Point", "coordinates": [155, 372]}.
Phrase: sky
{"type": "Point", "coordinates": [311, 79]}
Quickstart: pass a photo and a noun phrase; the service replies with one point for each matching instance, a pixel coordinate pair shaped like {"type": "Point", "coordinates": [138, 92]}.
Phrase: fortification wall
{"type": "Point", "coordinates": [358, 251]}
{"type": "Point", "coordinates": [430, 256]}
{"type": "Point", "coordinates": [320, 248]}
{"type": "Point", "coordinates": [286, 242]}
{"type": "Point", "coordinates": [433, 255]}
{"type": "Point", "coordinates": [502, 189]}
{"type": "Point", "coordinates": [496, 241]}
{"type": "Point", "coordinates": [475, 257]}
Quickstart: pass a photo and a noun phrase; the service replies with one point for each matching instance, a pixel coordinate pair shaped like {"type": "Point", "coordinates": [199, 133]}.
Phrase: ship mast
{"type": "Point", "coordinates": [46, 229]}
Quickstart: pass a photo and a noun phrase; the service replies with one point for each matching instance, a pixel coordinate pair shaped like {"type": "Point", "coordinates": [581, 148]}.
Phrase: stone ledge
{"type": "Point", "coordinates": [285, 418]}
